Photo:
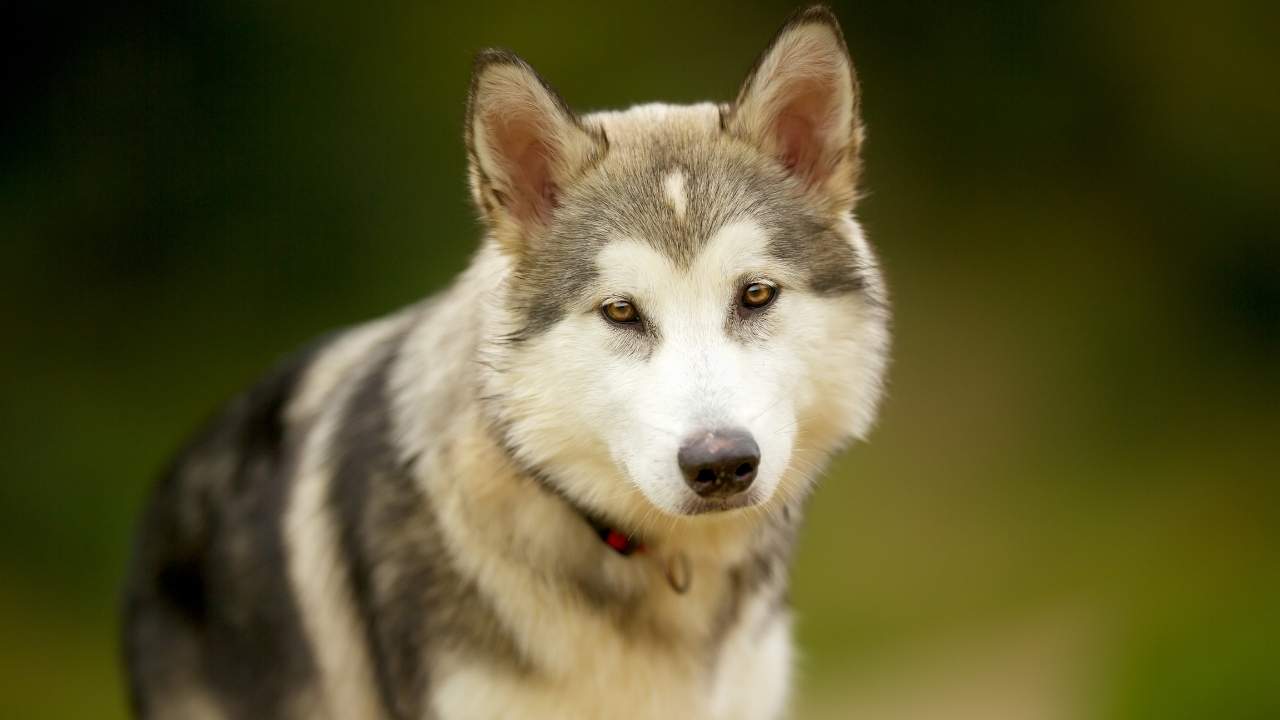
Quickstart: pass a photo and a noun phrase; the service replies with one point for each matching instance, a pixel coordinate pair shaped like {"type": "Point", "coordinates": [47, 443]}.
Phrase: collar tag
{"type": "Point", "coordinates": [678, 575]}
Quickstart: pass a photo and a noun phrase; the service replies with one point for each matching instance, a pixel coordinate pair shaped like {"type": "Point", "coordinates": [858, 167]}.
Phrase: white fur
{"type": "Point", "coordinates": [753, 679]}
{"type": "Point", "coordinates": [673, 190]}
{"type": "Point", "coordinates": [606, 425]}
{"type": "Point", "coordinates": [310, 534]}
{"type": "Point", "coordinates": [609, 428]}
{"type": "Point", "coordinates": [816, 379]}
{"type": "Point", "coordinates": [699, 379]}
{"type": "Point", "coordinates": [586, 667]}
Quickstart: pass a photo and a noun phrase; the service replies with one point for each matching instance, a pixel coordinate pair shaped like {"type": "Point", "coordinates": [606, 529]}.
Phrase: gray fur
{"type": "Point", "coordinates": [207, 599]}
{"type": "Point", "coordinates": [210, 605]}
{"type": "Point", "coordinates": [622, 197]}
{"type": "Point", "coordinates": [409, 596]}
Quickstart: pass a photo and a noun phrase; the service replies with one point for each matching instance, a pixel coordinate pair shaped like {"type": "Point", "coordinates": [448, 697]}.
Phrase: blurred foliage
{"type": "Point", "coordinates": [1071, 507]}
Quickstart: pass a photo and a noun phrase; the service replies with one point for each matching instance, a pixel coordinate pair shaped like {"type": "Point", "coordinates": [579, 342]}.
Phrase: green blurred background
{"type": "Point", "coordinates": [1071, 507]}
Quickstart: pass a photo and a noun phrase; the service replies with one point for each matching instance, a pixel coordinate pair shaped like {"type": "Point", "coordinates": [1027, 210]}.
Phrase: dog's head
{"type": "Point", "coordinates": [689, 308]}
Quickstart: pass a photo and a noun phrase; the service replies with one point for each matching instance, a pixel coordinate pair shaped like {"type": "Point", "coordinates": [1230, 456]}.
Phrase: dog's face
{"type": "Point", "coordinates": [690, 309]}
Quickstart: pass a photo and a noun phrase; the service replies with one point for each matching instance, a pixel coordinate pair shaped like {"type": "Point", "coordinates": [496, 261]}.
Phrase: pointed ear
{"type": "Point", "coordinates": [524, 145]}
{"type": "Point", "coordinates": [800, 105]}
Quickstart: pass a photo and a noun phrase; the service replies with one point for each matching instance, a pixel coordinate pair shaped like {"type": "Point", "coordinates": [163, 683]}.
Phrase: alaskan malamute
{"type": "Point", "coordinates": [568, 485]}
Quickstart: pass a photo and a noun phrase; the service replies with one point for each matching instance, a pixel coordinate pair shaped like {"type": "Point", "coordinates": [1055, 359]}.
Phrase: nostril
{"type": "Point", "coordinates": [719, 464]}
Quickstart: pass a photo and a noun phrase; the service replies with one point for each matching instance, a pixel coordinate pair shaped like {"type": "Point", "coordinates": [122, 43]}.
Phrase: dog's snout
{"type": "Point", "coordinates": [719, 464]}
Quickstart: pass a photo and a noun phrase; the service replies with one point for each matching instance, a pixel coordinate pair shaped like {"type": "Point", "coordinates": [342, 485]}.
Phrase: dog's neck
{"type": "Point", "coordinates": [518, 512]}
{"type": "Point", "coordinates": [542, 563]}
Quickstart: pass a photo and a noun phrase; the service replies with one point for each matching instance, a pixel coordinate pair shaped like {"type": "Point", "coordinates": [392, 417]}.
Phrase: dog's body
{"type": "Point", "coordinates": [474, 508]}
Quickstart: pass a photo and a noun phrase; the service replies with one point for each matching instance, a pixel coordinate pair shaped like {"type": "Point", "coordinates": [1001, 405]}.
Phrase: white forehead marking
{"type": "Point", "coordinates": [673, 188]}
{"type": "Point", "coordinates": [629, 265]}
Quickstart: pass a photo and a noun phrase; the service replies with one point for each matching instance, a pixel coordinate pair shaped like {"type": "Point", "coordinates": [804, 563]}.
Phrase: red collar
{"type": "Point", "coordinates": [676, 567]}
{"type": "Point", "coordinates": [620, 543]}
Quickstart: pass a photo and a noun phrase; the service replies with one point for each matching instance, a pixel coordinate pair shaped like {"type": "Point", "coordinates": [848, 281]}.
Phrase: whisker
{"type": "Point", "coordinates": [651, 426]}
{"type": "Point", "coordinates": [772, 405]}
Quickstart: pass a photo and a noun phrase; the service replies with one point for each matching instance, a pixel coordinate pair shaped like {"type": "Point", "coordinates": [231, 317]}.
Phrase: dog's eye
{"type": "Point", "coordinates": [621, 312]}
{"type": "Point", "coordinates": [757, 295]}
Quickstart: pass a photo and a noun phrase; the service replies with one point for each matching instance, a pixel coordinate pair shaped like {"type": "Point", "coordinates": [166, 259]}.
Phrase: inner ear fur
{"type": "Point", "coordinates": [524, 145]}
{"type": "Point", "coordinates": [799, 105]}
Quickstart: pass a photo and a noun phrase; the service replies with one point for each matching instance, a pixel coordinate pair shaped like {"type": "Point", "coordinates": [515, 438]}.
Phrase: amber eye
{"type": "Point", "coordinates": [621, 312]}
{"type": "Point", "coordinates": [758, 294]}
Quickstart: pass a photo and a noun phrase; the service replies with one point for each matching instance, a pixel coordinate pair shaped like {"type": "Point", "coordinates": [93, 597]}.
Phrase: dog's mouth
{"type": "Point", "coordinates": [707, 506]}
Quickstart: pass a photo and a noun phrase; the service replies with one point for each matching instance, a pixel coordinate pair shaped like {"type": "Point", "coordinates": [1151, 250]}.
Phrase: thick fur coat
{"type": "Point", "coordinates": [405, 520]}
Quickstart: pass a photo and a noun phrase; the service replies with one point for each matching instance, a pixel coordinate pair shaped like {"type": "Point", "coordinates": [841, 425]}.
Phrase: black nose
{"type": "Point", "coordinates": [719, 464]}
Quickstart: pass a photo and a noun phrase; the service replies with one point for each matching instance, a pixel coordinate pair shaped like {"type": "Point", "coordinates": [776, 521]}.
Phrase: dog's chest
{"type": "Point", "coordinates": [598, 635]}
{"type": "Point", "coordinates": [595, 671]}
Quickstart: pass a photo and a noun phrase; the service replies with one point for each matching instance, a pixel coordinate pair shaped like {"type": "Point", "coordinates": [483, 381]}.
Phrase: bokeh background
{"type": "Point", "coordinates": [1071, 507]}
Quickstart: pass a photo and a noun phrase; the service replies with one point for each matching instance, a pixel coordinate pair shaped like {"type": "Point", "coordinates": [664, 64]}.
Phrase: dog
{"type": "Point", "coordinates": [568, 485]}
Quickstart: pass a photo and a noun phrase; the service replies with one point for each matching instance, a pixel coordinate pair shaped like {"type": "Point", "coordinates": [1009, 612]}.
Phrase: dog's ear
{"type": "Point", "coordinates": [799, 104]}
{"type": "Point", "coordinates": [524, 146]}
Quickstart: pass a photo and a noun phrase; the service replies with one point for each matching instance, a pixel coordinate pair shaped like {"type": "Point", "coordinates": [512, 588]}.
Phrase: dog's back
{"type": "Point", "coordinates": [209, 610]}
